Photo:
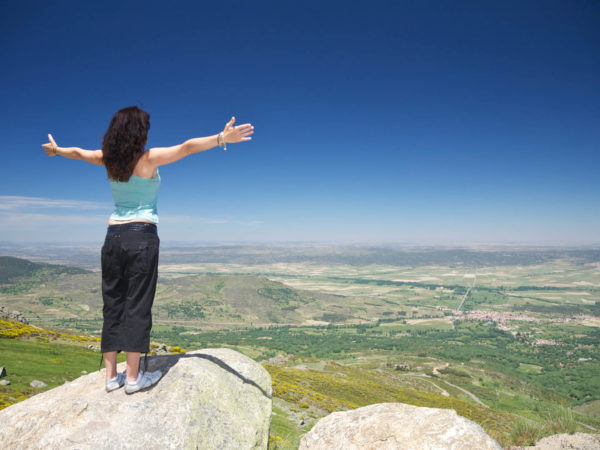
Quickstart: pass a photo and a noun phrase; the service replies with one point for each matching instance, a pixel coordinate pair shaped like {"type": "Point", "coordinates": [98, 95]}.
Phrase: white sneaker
{"type": "Point", "coordinates": [116, 382]}
{"type": "Point", "coordinates": [145, 381]}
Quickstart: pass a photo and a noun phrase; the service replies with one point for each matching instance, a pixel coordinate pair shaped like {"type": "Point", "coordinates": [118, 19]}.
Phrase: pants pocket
{"type": "Point", "coordinates": [138, 257]}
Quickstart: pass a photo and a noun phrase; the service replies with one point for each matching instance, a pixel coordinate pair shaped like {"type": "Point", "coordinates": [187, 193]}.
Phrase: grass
{"type": "Point", "coordinates": [284, 434]}
{"type": "Point", "coordinates": [556, 420]}
{"type": "Point", "coordinates": [51, 363]}
{"type": "Point", "coordinates": [530, 368]}
{"type": "Point", "coordinates": [342, 388]}
{"type": "Point", "coordinates": [31, 353]}
{"type": "Point", "coordinates": [590, 408]}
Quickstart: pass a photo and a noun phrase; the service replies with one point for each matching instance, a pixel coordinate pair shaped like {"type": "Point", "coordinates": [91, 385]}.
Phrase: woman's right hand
{"type": "Point", "coordinates": [238, 133]}
{"type": "Point", "coordinates": [50, 148]}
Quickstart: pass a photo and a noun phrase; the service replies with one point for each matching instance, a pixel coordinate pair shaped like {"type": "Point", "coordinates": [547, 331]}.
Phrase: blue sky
{"type": "Point", "coordinates": [420, 122]}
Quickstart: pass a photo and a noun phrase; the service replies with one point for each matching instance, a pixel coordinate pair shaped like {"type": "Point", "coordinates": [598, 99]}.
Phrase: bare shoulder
{"type": "Point", "coordinates": [158, 151]}
{"type": "Point", "coordinates": [160, 156]}
{"type": "Point", "coordinates": [144, 167]}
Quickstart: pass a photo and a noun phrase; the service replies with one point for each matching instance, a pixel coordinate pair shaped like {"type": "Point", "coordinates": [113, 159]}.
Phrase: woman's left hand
{"type": "Point", "coordinates": [50, 148]}
{"type": "Point", "coordinates": [238, 133]}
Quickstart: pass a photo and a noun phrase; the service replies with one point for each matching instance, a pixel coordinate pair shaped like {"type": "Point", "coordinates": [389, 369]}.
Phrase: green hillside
{"type": "Point", "coordinates": [18, 274]}
{"type": "Point", "coordinates": [31, 353]}
{"type": "Point", "coordinates": [75, 300]}
{"type": "Point", "coordinates": [306, 389]}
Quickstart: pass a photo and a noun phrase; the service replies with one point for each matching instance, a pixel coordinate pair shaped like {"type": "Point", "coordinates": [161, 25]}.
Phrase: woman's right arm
{"type": "Point", "coordinates": [160, 156]}
{"type": "Point", "coordinates": [91, 156]}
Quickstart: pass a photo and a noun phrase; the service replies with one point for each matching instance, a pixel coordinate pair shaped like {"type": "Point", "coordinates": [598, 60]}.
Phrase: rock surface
{"type": "Point", "coordinates": [576, 441]}
{"type": "Point", "coordinates": [397, 426]}
{"type": "Point", "coordinates": [278, 360]}
{"type": "Point", "coordinates": [14, 315]}
{"type": "Point", "coordinates": [209, 399]}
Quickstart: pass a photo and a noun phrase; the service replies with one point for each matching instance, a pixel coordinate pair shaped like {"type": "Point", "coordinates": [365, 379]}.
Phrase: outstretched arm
{"type": "Point", "coordinates": [91, 156]}
{"type": "Point", "coordinates": [159, 156]}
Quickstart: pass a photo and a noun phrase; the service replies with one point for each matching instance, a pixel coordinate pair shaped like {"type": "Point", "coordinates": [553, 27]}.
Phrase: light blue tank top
{"type": "Point", "coordinates": [136, 198]}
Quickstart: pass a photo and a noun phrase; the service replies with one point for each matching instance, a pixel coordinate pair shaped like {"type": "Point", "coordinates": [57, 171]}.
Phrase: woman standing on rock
{"type": "Point", "coordinates": [130, 251]}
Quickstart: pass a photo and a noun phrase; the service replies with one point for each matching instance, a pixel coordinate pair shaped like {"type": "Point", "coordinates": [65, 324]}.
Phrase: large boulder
{"type": "Point", "coordinates": [577, 441]}
{"type": "Point", "coordinates": [209, 399]}
{"type": "Point", "coordinates": [397, 426]}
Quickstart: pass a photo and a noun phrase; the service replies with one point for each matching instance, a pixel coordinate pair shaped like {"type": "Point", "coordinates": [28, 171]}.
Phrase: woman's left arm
{"type": "Point", "coordinates": [91, 156]}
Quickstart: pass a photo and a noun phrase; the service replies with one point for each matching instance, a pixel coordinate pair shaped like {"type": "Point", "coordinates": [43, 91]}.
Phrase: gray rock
{"type": "Point", "coordinates": [279, 360]}
{"type": "Point", "coordinates": [208, 399]}
{"type": "Point", "coordinates": [4, 382]}
{"type": "Point", "coordinates": [397, 426]}
{"type": "Point", "coordinates": [15, 315]}
{"type": "Point", "coordinates": [38, 384]}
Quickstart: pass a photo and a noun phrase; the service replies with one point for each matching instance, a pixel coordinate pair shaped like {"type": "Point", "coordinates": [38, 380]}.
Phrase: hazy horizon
{"type": "Point", "coordinates": [315, 244]}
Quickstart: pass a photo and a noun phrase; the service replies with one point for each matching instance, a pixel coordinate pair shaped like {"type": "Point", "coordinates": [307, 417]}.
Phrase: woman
{"type": "Point", "coordinates": [129, 256]}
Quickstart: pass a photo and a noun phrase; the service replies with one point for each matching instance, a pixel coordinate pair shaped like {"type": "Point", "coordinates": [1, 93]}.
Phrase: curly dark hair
{"type": "Point", "coordinates": [124, 142]}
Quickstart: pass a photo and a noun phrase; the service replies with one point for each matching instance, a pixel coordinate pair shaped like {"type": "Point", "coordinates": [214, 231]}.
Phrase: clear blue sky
{"type": "Point", "coordinates": [433, 122]}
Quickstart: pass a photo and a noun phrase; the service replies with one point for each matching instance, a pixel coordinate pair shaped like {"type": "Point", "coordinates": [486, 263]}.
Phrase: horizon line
{"type": "Point", "coordinates": [326, 243]}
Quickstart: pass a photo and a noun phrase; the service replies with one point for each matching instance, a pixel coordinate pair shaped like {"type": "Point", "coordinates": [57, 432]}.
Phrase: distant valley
{"type": "Point", "coordinates": [512, 331]}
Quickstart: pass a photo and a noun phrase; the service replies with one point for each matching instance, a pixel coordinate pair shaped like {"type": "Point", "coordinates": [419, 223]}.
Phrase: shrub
{"type": "Point", "coordinates": [525, 432]}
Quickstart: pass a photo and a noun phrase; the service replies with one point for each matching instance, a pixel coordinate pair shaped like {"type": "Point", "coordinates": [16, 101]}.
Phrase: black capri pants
{"type": "Point", "coordinates": [129, 275]}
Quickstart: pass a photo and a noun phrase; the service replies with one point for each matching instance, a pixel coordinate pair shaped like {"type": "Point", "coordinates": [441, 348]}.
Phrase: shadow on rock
{"type": "Point", "coordinates": [165, 362]}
